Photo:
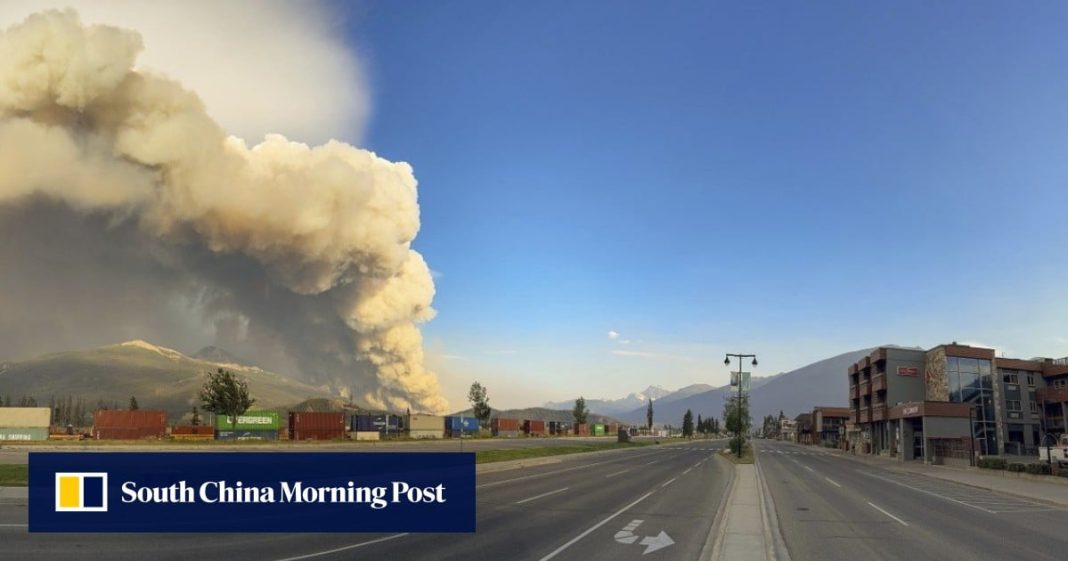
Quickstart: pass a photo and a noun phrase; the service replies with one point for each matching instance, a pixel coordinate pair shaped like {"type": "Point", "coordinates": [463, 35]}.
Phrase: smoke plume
{"type": "Point", "coordinates": [125, 207]}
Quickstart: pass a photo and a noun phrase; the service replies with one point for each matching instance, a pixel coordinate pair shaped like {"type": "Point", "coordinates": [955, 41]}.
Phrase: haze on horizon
{"type": "Point", "coordinates": [603, 210]}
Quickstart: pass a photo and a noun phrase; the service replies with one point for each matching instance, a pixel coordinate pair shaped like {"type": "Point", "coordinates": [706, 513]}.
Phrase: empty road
{"type": "Point", "coordinates": [614, 505]}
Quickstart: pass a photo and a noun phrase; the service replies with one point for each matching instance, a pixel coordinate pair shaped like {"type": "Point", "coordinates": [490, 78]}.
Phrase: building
{"type": "Point", "coordinates": [804, 428]}
{"type": "Point", "coordinates": [952, 402]}
{"type": "Point", "coordinates": [788, 429]}
{"type": "Point", "coordinates": [828, 425]}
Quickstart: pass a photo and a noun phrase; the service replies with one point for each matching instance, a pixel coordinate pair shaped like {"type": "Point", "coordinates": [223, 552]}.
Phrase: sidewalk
{"type": "Point", "coordinates": [745, 532]}
{"type": "Point", "coordinates": [13, 494]}
{"type": "Point", "coordinates": [1054, 492]}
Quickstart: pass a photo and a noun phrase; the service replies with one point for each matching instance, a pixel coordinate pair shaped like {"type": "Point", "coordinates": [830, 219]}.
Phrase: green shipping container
{"type": "Point", "coordinates": [17, 433]}
{"type": "Point", "coordinates": [251, 420]}
{"type": "Point", "coordinates": [598, 430]}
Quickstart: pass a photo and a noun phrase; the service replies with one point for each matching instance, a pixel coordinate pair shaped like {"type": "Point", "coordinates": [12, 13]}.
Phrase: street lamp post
{"type": "Point", "coordinates": [738, 404]}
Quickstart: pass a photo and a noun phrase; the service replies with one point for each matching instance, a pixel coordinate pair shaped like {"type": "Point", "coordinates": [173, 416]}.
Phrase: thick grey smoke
{"type": "Point", "coordinates": [125, 207]}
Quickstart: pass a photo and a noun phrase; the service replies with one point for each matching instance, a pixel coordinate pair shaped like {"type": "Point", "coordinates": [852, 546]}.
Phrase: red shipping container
{"type": "Point", "coordinates": [314, 425]}
{"type": "Point", "coordinates": [582, 429]}
{"type": "Point", "coordinates": [498, 424]}
{"type": "Point", "coordinates": [194, 429]}
{"type": "Point", "coordinates": [534, 428]}
{"type": "Point", "coordinates": [129, 425]}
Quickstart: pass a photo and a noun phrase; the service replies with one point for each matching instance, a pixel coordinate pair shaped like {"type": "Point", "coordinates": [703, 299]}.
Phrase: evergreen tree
{"type": "Point", "coordinates": [580, 412]}
{"type": "Point", "coordinates": [480, 407]}
{"type": "Point", "coordinates": [687, 424]}
{"type": "Point", "coordinates": [649, 415]}
{"type": "Point", "coordinates": [133, 404]}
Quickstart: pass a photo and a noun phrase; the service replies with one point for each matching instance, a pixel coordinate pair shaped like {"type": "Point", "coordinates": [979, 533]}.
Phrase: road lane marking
{"type": "Point", "coordinates": [810, 469]}
{"type": "Point", "coordinates": [593, 528]}
{"type": "Point", "coordinates": [616, 473]}
{"type": "Point", "coordinates": [536, 497]}
{"type": "Point", "coordinates": [899, 521]}
{"type": "Point", "coordinates": [831, 481]}
{"type": "Point", "coordinates": [346, 548]}
{"type": "Point", "coordinates": [977, 507]}
{"type": "Point", "coordinates": [13, 525]}
{"type": "Point", "coordinates": [652, 462]}
{"type": "Point", "coordinates": [687, 470]}
{"type": "Point", "coordinates": [669, 482]}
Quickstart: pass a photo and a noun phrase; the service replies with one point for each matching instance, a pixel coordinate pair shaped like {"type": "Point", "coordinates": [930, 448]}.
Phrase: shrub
{"type": "Point", "coordinates": [992, 463]}
{"type": "Point", "coordinates": [1038, 469]}
{"type": "Point", "coordinates": [1015, 467]}
{"type": "Point", "coordinates": [1062, 472]}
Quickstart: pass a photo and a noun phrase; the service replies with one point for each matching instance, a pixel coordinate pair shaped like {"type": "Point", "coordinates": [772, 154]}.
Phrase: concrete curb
{"type": "Point", "coordinates": [14, 494]}
{"type": "Point", "coordinates": [711, 548]}
{"type": "Point", "coordinates": [772, 535]}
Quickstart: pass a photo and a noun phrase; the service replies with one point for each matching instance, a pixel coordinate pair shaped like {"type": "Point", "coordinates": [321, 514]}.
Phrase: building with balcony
{"type": "Point", "coordinates": [954, 401]}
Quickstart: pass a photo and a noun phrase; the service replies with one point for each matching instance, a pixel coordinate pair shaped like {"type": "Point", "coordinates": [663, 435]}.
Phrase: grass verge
{"type": "Point", "coordinates": [486, 456]}
{"type": "Point", "coordinates": [747, 456]}
{"type": "Point", "coordinates": [14, 475]}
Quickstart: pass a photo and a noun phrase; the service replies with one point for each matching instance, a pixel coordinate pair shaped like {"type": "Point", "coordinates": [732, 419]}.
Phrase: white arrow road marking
{"type": "Point", "coordinates": [659, 542]}
{"type": "Point", "coordinates": [651, 543]}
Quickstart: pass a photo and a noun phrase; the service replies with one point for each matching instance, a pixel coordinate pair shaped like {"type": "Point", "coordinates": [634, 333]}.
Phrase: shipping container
{"type": "Point", "coordinates": [250, 420]}
{"type": "Point", "coordinates": [582, 429]}
{"type": "Point", "coordinates": [129, 425]}
{"type": "Point", "coordinates": [611, 429]}
{"type": "Point", "coordinates": [24, 433]}
{"type": "Point", "coordinates": [25, 417]}
{"type": "Point", "coordinates": [193, 429]}
{"type": "Point", "coordinates": [425, 422]}
{"type": "Point", "coordinates": [456, 426]}
{"type": "Point", "coordinates": [365, 435]}
{"type": "Point", "coordinates": [499, 424]}
{"type": "Point", "coordinates": [416, 433]}
{"type": "Point", "coordinates": [380, 423]}
{"type": "Point", "coordinates": [313, 425]}
{"type": "Point", "coordinates": [598, 429]}
{"type": "Point", "coordinates": [239, 434]}
{"type": "Point", "coordinates": [533, 427]}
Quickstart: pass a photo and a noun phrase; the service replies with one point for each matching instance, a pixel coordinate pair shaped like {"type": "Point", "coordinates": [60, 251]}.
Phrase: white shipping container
{"type": "Point", "coordinates": [440, 433]}
{"type": "Point", "coordinates": [425, 423]}
{"type": "Point", "coordinates": [25, 417]}
{"type": "Point", "coordinates": [366, 435]}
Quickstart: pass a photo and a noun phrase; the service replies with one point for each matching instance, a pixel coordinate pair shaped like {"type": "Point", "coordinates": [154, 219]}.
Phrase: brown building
{"type": "Point", "coordinates": [828, 425]}
{"type": "Point", "coordinates": [953, 401]}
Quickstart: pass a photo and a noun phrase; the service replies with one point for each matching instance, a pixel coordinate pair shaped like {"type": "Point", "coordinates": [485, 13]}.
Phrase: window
{"type": "Point", "coordinates": [1059, 383]}
{"type": "Point", "coordinates": [1012, 378]}
{"type": "Point", "coordinates": [1034, 408]}
{"type": "Point", "coordinates": [1030, 380]}
{"type": "Point", "coordinates": [1012, 405]}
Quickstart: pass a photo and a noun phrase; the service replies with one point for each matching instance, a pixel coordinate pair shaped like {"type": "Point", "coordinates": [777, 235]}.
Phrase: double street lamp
{"type": "Point", "coordinates": [738, 405]}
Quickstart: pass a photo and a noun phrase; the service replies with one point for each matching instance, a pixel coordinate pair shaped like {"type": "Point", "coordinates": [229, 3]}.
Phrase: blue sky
{"type": "Point", "coordinates": [794, 180]}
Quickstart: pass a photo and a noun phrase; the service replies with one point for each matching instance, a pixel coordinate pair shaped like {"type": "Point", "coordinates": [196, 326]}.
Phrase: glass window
{"type": "Point", "coordinates": [984, 366]}
{"type": "Point", "coordinates": [1013, 405]}
{"type": "Point", "coordinates": [1034, 408]}
{"type": "Point", "coordinates": [1011, 378]}
{"type": "Point", "coordinates": [968, 365]}
{"type": "Point", "coordinates": [969, 387]}
{"type": "Point", "coordinates": [1030, 380]}
{"type": "Point", "coordinates": [951, 364]}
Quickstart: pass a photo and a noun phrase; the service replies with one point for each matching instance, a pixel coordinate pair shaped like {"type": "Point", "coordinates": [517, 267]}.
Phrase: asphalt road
{"type": "Point", "coordinates": [613, 505]}
{"type": "Point", "coordinates": [831, 507]}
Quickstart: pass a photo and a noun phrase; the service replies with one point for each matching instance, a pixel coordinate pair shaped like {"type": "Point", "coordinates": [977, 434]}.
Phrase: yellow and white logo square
{"type": "Point", "coordinates": [81, 492]}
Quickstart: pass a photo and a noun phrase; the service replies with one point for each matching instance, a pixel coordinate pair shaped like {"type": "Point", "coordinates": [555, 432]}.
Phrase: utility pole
{"type": "Point", "coordinates": [738, 405]}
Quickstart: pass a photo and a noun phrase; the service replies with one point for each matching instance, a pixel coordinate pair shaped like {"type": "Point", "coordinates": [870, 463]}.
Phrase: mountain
{"type": "Point", "coordinates": [797, 391]}
{"type": "Point", "coordinates": [541, 413]}
{"type": "Point", "coordinates": [220, 355]}
{"type": "Point", "coordinates": [615, 406]}
{"type": "Point", "coordinates": [159, 377]}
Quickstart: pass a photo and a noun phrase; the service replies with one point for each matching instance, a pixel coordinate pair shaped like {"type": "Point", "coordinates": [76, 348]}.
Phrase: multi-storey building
{"type": "Point", "coordinates": [828, 425]}
{"type": "Point", "coordinates": [953, 401]}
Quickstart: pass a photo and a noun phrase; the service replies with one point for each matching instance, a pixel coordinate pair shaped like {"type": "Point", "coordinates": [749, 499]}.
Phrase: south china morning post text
{"type": "Point", "coordinates": [252, 492]}
{"type": "Point", "coordinates": [210, 492]}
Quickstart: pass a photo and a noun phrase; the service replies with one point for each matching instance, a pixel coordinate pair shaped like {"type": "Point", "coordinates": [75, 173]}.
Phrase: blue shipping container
{"type": "Point", "coordinates": [380, 423]}
{"type": "Point", "coordinates": [456, 425]}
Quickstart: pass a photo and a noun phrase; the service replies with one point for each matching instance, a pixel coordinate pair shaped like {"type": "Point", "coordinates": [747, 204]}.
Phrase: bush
{"type": "Point", "coordinates": [1062, 472]}
{"type": "Point", "coordinates": [992, 463]}
{"type": "Point", "coordinates": [1038, 469]}
{"type": "Point", "coordinates": [1016, 468]}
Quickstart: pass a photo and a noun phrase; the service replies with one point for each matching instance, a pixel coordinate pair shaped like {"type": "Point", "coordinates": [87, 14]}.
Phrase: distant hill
{"type": "Point", "coordinates": [797, 391]}
{"type": "Point", "coordinates": [159, 377]}
{"type": "Point", "coordinates": [614, 406]}
{"type": "Point", "coordinates": [220, 355]}
{"type": "Point", "coordinates": [543, 414]}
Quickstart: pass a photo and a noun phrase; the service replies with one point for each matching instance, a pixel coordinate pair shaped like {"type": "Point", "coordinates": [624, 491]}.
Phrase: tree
{"type": "Point", "coordinates": [736, 421]}
{"type": "Point", "coordinates": [226, 394]}
{"type": "Point", "coordinates": [196, 416]}
{"type": "Point", "coordinates": [133, 403]}
{"type": "Point", "coordinates": [580, 412]}
{"type": "Point", "coordinates": [479, 403]}
{"type": "Point", "coordinates": [687, 424]}
{"type": "Point", "coordinates": [649, 415]}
